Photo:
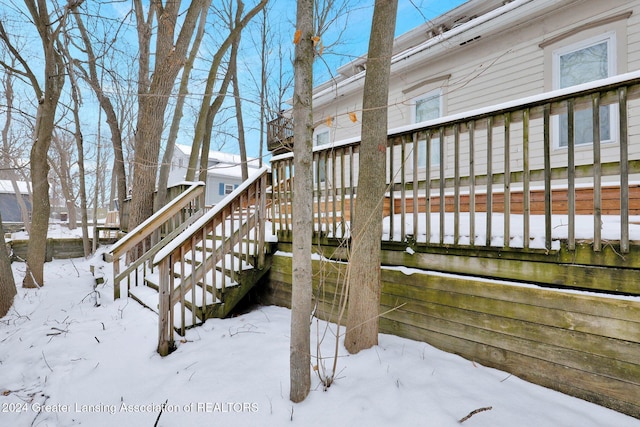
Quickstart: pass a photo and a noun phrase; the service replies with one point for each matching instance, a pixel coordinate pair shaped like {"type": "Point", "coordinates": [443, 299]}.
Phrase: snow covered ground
{"type": "Point", "coordinates": [66, 360]}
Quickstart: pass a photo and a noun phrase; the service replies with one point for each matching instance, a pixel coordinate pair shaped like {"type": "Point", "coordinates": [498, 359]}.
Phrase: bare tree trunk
{"type": "Point", "coordinates": [364, 276]}
{"type": "Point", "coordinates": [233, 69]}
{"type": "Point", "coordinates": [165, 167]}
{"type": "Point", "coordinates": [79, 138]}
{"type": "Point", "coordinates": [244, 167]}
{"type": "Point", "coordinates": [54, 72]}
{"type": "Point", "coordinates": [263, 85]}
{"type": "Point", "coordinates": [208, 129]}
{"type": "Point", "coordinates": [300, 358]}
{"type": "Point", "coordinates": [54, 78]}
{"type": "Point", "coordinates": [7, 282]}
{"type": "Point", "coordinates": [206, 106]}
{"type": "Point", "coordinates": [154, 92]}
{"type": "Point", "coordinates": [91, 77]}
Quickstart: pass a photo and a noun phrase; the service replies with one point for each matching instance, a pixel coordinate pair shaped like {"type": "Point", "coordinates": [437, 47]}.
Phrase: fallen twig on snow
{"type": "Point", "coordinates": [472, 413]}
{"type": "Point", "coordinates": [45, 361]}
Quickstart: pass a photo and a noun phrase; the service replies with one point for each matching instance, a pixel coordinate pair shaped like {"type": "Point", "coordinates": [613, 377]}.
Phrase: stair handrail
{"type": "Point", "coordinates": [168, 215]}
{"type": "Point", "coordinates": [251, 194]}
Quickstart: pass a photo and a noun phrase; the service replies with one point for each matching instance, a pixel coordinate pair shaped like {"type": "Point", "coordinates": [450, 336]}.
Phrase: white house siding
{"type": "Point", "coordinates": [499, 67]}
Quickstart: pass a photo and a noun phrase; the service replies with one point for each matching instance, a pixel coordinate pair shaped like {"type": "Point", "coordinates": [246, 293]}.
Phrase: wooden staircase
{"type": "Point", "coordinates": [205, 266]}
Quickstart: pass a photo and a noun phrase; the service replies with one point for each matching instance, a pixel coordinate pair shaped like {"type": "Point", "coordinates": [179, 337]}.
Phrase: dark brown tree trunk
{"type": "Point", "coordinates": [167, 157]}
{"type": "Point", "coordinates": [154, 92]}
{"type": "Point", "coordinates": [54, 78]}
{"type": "Point", "coordinates": [364, 275]}
{"type": "Point", "coordinates": [45, 123]}
{"type": "Point", "coordinates": [7, 282]}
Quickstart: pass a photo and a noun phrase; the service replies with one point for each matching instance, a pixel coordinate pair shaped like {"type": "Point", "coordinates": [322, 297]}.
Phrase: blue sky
{"type": "Point", "coordinates": [411, 13]}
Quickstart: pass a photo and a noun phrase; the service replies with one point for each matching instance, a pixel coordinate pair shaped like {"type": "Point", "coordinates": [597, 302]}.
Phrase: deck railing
{"type": "Point", "coordinates": [279, 134]}
{"type": "Point", "coordinates": [506, 180]}
{"type": "Point", "coordinates": [152, 235]}
{"type": "Point", "coordinates": [194, 267]}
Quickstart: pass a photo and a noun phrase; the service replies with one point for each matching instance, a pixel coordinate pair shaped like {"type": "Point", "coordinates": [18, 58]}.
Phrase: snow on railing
{"type": "Point", "coordinates": [139, 245]}
{"type": "Point", "coordinates": [498, 176]}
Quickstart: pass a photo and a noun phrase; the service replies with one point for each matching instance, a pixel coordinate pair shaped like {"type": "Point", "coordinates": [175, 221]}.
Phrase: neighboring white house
{"type": "Point", "coordinates": [9, 206]}
{"type": "Point", "coordinates": [487, 52]}
{"type": "Point", "coordinates": [223, 176]}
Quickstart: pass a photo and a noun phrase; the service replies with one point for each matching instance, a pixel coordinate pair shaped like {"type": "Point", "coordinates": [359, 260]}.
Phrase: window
{"type": "Point", "coordinates": [224, 189]}
{"type": "Point", "coordinates": [428, 107]}
{"type": "Point", "coordinates": [580, 63]}
{"type": "Point", "coordinates": [321, 137]}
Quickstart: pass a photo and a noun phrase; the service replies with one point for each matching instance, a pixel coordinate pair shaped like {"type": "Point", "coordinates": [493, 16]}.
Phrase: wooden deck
{"type": "Point", "coordinates": [502, 302]}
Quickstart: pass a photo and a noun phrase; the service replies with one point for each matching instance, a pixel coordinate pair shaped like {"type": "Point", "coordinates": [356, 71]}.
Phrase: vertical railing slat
{"type": "Point", "coordinates": [391, 193]}
{"type": "Point", "coordinates": [334, 191]}
{"type": "Point", "coordinates": [324, 222]}
{"type": "Point", "coordinates": [318, 188]}
{"type": "Point", "coordinates": [597, 175]}
{"type": "Point", "coordinates": [164, 341]}
{"type": "Point", "coordinates": [526, 195]}
{"type": "Point", "coordinates": [489, 194]}
{"type": "Point", "coordinates": [456, 184]}
{"type": "Point", "coordinates": [442, 186]}
{"type": "Point", "coordinates": [214, 258]}
{"type": "Point", "coordinates": [571, 175]}
{"type": "Point", "coordinates": [403, 189]}
{"type": "Point", "coordinates": [427, 217]}
{"type": "Point", "coordinates": [352, 186]}
{"type": "Point", "coordinates": [624, 171]}
{"type": "Point", "coordinates": [343, 218]}
{"type": "Point", "coordinates": [416, 207]}
{"type": "Point", "coordinates": [547, 176]}
{"type": "Point", "coordinates": [507, 181]}
{"type": "Point", "coordinates": [182, 296]}
{"type": "Point", "coordinates": [223, 237]}
{"type": "Point", "coordinates": [472, 184]}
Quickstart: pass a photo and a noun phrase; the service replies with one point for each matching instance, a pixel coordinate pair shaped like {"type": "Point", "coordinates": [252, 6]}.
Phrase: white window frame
{"type": "Point", "coordinates": [610, 39]}
{"type": "Point", "coordinates": [435, 156]}
{"type": "Point", "coordinates": [228, 189]}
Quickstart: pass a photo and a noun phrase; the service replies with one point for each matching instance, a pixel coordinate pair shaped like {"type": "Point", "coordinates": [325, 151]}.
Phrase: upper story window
{"type": "Point", "coordinates": [428, 107]}
{"type": "Point", "coordinates": [321, 136]}
{"type": "Point", "coordinates": [579, 63]}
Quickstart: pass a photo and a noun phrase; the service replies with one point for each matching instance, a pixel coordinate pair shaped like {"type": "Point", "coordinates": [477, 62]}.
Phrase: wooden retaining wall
{"type": "Point", "coordinates": [585, 345]}
{"type": "Point", "coordinates": [56, 248]}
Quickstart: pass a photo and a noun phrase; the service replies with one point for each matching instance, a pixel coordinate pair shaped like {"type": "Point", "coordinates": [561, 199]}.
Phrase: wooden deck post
{"type": "Point", "coordinates": [164, 336]}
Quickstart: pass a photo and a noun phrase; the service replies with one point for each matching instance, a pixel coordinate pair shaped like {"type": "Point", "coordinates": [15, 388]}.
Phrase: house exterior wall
{"type": "Point", "coordinates": [10, 208]}
{"type": "Point", "coordinates": [511, 59]}
{"type": "Point", "coordinates": [218, 187]}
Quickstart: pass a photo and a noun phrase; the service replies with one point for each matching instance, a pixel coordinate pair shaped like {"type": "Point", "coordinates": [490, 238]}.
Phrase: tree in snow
{"type": "Point", "coordinates": [364, 277]}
